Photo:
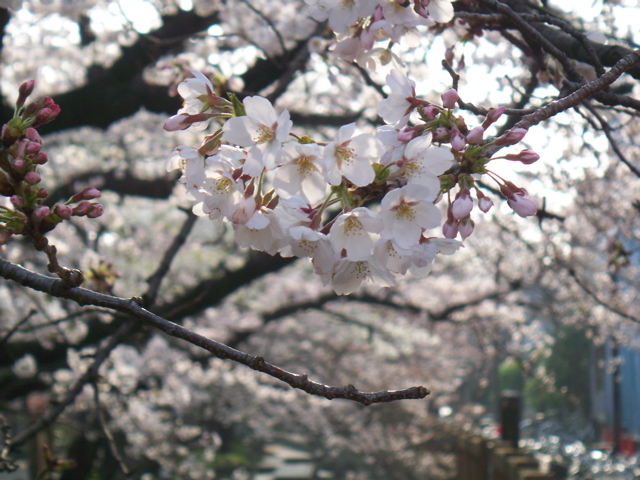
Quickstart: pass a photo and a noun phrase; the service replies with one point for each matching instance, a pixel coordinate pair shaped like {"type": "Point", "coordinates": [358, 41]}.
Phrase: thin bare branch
{"type": "Point", "coordinates": [132, 307]}
{"type": "Point", "coordinates": [155, 279]}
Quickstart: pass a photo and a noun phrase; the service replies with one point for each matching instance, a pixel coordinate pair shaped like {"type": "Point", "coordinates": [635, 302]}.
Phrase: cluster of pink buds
{"type": "Point", "coordinates": [459, 213]}
{"type": "Point", "coordinates": [20, 155]}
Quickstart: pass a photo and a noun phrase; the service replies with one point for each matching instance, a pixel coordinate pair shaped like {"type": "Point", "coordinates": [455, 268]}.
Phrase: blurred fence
{"type": "Point", "coordinates": [479, 458]}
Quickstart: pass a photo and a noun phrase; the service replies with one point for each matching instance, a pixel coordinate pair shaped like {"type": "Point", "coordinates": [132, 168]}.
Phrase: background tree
{"type": "Point", "coordinates": [97, 384]}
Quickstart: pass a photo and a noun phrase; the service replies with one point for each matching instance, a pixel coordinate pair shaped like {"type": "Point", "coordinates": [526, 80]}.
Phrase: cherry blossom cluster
{"type": "Point", "coordinates": [360, 206]}
{"type": "Point", "coordinates": [20, 155]}
{"type": "Point", "coordinates": [366, 29]}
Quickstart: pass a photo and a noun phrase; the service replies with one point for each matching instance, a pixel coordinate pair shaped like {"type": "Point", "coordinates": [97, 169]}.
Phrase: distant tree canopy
{"type": "Point", "coordinates": [138, 280]}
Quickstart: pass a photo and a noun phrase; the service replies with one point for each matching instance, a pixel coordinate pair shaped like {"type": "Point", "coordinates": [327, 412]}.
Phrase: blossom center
{"type": "Point", "coordinates": [405, 212]}
{"type": "Point", "coordinates": [264, 134]}
{"type": "Point", "coordinates": [305, 165]}
{"type": "Point", "coordinates": [344, 154]}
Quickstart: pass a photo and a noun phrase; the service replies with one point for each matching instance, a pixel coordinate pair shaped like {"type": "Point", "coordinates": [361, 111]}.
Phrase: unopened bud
{"type": "Point", "coordinates": [462, 205]}
{"type": "Point", "coordinates": [32, 148]}
{"type": "Point", "coordinates": [33, 135]}
{"type": "Point", "coordinates": [441, 134]}
{"type": "Point", "coordinates": [449, 98]}
{"type": "Point", "coordinates": [525, 156]}
{"type": "Point", "coordinates": [475, 135]}
{"type": "Point", "coordinates": [87, 193]}
{"type": "Point", "coordinates": [63, 211]}
{"type": "Point", "coordinates": [512, 137]}
{"type": "Point", "coordinates": [41, 212]}
{"type": "Point", "coordinates": [450, 229]}
{"type": "Point", "coordinates": [176, 122]}
{"type": "Point", "coordinates": [457, 140]}
{"type": "Point", "coordinates": [24, 91]}
{"type": "Point", "coordinates": [46, 114]}
{"type": "Point", "coordinates": [95, 211]}
{"type": "Point", "coordinates": [32, 178]}
{"type": "Point", "coordinates": [430, 111]}
{"type": "Point", "coordinates": [82, 209]}
{"type": "Point", "coordinates": [484, 202]}
{"type": "Point", "coordinates": [493, 116]}
{"type": "Point", "coordinates": [40, 159]}
{"type": "Point", "coordinates": [465, 228]}
{"type": "Point", "coordinates": [16, 201]}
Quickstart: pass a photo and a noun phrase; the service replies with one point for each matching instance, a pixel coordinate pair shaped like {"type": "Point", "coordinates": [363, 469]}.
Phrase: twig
{"type": "Point", "coordinates": [598, 300]}
{"type": "Point", "coordinates": [606, 128]}
{"type": "Point", "coordinates": [13, 329]}
{"type": "Point", "coordinates": [155, 279]}
{"type": "Point", "coordinates": [529, 31]}
{"type": "Point", "coordinates": [269, 22]}
{"type": "Point", "coordinates": [110, 440]}
{"type": "Point", "coordinates": [455, 77]}
{"type": "Point", "coordinates": [584, 92]}
{"type": "Point", "coordinates": [83, 296]}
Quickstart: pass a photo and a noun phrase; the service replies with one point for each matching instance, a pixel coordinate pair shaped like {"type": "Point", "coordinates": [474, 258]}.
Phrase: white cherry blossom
{"type": "Point", "coordinates": [349, 275]}
{"type": "Point", "coordinates": [406, 212]}
{"type": "Point", "coordinates": [423, 162]}
{"type": "Point", "coordinates": [301, 172]}
{"type": "Point", "coordinates": [352, 231]}
{"type": "Point", "coordinates": [397, 107]}
{"type": "Point", "coordinates": [262, 130]}
{"type": "Point", "coordinates": [351, 157]}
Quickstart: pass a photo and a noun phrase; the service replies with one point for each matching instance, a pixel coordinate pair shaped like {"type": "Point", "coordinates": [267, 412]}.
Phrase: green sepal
{"type": "Point", "coordinates": [238, 107]}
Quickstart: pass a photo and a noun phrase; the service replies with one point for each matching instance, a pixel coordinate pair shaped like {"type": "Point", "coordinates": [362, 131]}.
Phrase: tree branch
{"type": "Point", "coordinates": [83, 296]}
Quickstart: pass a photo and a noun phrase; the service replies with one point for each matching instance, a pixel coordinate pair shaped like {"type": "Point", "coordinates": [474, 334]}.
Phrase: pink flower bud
{"type": "Point", "coordinates": [33, 135]}
{"type": "Point", "coordinates": [95, 211]}
{"type": "Point", "coordinates": [430, 111]}
{"type": "Point", "coordinates": [450, 229]}
{"type": "Point", "coordinates": [457, 140]}
{"type": "Point", "coordinates": [16, 201]}
{"type": "Point", "coordinates": [465, 228]}
{"type": "Point", "coordinates": [475, 135]}
{"type": "Point", "coordinates": [24, 91]}
{"type": "Point", "coordinates": [33, 148]}
{"type": "Point", "coordinates": [63, 211]}
{"type": "Point", "coordinates": [176, 122]}
{"type": "Point", "coordinates": [449, 98]}
{"type": "Point", "coordinates": [409, 133]}
{"type": "Point", "coordinates": [523, 204]}
{"type": "Point", "coordinates": [41, 212]}
{"type": "Point", "coordinates": [81, 209]}
{"type": "Point", "coordinates": [525, 156]}
{"type": "Point", "coordinates": [42, 193]}
{"type": "Point", "coordinates": [441, 134]}
{"type": "Point", "coordinates": [20, 148]}
{"type": "Point", "coordinates": [18, 164]}
{"type": "Point", "coordinates": [87, 193]}
{"type": "Point", "coordinates": [40, 159]}
{"type": "Point", "coordinates": [462, 205]}
{"type": "Point", "coordinates": [493, 116]}
{"type": "Point", "coordinates": [512, 136]}
{"type": "Point", "coordinates": [484, 203]}
{"type": "Point", "coordinates": [46, 115]}
{"type": "Point", "coordinates": [32, 178]}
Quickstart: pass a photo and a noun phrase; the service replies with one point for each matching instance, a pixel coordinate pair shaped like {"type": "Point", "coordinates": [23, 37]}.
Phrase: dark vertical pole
{"type": "Point", "coordinates": [616, 400]}
{"type": "Point", "coordinates": [510, 416]}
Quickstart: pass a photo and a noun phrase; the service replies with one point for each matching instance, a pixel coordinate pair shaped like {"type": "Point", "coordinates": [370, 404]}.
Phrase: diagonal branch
{"type": "Point", "coordinates": [131, 307]}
